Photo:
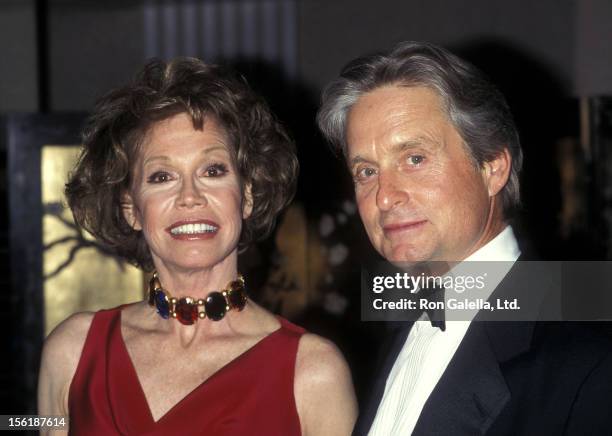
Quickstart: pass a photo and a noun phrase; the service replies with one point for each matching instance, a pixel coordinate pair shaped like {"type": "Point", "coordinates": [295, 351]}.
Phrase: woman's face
{"type": "Point", "coordinates": [186, 196]}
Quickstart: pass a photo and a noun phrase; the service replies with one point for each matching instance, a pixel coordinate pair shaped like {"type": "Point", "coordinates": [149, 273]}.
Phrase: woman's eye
{"type": "Point", "coordinates": [416, 159]}
{"type": "Point", "coordinates": [159, 177]}
{"type": "Point", "coordinates": [216, 170]}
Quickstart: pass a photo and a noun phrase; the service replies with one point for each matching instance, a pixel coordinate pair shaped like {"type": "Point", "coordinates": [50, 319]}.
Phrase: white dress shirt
{"type": "Point", "coordinates": [428, 350]}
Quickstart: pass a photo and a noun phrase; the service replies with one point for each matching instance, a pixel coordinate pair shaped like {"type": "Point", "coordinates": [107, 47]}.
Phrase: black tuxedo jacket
{"type": "Point", "coordinates": [514, 378]}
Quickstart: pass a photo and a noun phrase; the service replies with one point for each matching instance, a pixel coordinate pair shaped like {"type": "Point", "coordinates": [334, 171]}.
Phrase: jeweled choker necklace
{"type": "Point", "coordinates": [188, 310]}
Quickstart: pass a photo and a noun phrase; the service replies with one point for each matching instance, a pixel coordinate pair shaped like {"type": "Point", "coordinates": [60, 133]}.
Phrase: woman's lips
{"type": "Point", "coordinates": [191, 230]}
{"type": "Point", "coordinates": [390, 229]}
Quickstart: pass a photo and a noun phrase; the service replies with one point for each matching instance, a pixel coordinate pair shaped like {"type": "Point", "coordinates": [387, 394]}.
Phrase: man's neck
{"type": "Point", "coordinates": [503, 247]}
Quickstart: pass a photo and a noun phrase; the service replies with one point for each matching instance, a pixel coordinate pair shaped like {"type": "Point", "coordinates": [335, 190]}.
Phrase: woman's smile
{"type": "Point", "coordinates": [193, 230]}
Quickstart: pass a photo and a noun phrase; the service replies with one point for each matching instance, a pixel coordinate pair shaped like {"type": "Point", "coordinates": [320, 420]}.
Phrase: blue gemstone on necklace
{"type": "Point", "coordinates": [161, 303]}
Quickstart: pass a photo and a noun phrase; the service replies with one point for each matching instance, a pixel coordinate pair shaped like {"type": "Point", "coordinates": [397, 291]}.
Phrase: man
{"type": "Point", "coordinates": [435, 158]}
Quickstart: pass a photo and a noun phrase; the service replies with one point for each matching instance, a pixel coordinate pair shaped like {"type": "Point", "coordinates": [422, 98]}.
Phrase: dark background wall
{"type": "Point", "coordinates": [18, 64]}
{"type": "Point", "coordinates": [544, 29]}
{"type": "Point", "coordinates": [91, 46]}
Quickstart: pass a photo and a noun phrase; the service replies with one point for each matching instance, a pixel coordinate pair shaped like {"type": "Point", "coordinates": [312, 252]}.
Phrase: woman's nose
{"type": "Point", "coordinates": [190, 195]}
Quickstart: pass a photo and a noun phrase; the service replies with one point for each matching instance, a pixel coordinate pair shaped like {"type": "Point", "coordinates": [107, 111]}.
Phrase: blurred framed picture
{"type": "Point", "coordinates": [56, 268]}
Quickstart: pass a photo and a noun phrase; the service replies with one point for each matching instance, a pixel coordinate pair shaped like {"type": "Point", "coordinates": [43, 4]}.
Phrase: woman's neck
{"type": "Point", "coordinates": [196, 283]}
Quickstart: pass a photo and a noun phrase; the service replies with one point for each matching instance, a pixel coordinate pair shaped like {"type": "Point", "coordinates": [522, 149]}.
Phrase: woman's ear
{"type": "Point", "coordinates": [497, 171]}
{"type": "Point", "coordinates": [129, 211]}
{"type": "Point", "coordinates": [247, 201]}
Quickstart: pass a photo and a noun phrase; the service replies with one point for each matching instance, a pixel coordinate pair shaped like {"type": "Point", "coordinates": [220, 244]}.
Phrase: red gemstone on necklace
{"type": "Point", "coordinates": [237, 298]}
{"type": "Point", "coordinates": [186, 312]}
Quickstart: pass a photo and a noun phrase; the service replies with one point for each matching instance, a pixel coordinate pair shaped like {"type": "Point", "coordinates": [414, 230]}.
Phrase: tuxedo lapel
{"type": "Point", "coordinates": [388, 354]}
{"type": "Point", "coordinates": [472, 391]}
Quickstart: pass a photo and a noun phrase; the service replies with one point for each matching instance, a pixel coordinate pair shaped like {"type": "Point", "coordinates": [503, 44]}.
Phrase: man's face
{"type": "Point", "coordinates": [420, 196]}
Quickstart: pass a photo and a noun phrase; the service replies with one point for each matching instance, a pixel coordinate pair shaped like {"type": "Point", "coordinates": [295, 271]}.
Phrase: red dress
{"type": "Point", "coordinates": [251, 395]}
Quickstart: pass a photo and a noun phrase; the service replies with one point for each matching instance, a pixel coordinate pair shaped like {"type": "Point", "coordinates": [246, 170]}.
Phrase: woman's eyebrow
{"type": "Point", "coordinates": [165, 158]}
{"type": "Point", "coordinates": [215, 147]}
{"type": "Point", "coordinates": [154, 159]}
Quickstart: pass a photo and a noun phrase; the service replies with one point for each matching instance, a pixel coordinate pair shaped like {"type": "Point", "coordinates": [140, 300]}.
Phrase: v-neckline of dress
{"type": "Point", "coordinates": [135, 380]}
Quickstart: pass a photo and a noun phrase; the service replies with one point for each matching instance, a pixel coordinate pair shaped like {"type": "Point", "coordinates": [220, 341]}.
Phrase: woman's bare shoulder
{"type": "Point", "coordinates": [323, 386]}
{"type": "Point", "coordinates": [63, 346]}
{"type": "Point", "coordinates": [60, 357]}
{"type": "Point", "coordinates": [320, 358]}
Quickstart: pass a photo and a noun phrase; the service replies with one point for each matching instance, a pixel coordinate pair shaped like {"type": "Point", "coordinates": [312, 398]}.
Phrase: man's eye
{"type": "Point", "coordinates": [365, 173]}
{"type": "Point", "coordinates": [216, 170]}
{"type": "Point", "coordinates": [159, 177]}
{"type": "Point", "coordinates": [416, 160]}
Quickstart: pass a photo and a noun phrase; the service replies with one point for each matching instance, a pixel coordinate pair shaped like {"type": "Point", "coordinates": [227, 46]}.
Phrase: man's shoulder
{"type": "Point", "coordinates": [561, 382]}
{"type": "Point", "coordinates": [551, 349]}
{"type": "Point", "coordinates": [575, 345]}
{"type": "Point", "coordinates": [577, 366]}
{"type": "Point", "coordinates": [574, 335]}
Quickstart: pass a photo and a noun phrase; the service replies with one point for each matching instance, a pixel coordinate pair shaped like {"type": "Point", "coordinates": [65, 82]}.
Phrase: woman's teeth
{"type": "Point", "coordinates": [193, 228]}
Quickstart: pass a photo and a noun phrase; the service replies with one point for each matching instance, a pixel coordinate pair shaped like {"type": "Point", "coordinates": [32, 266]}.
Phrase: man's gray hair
{"type": "Point", "coordinates": [474, 105]}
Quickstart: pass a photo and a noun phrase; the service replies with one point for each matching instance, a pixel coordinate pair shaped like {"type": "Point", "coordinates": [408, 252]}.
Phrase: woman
{"type": "Point", "coordinates": [179, 169]}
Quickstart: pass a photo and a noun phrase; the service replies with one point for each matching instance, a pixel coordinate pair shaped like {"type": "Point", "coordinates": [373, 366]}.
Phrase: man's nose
{"type": "Point", "coordinates": [190, 194]}
{"type": "Point", "coordinates": [390, 192]}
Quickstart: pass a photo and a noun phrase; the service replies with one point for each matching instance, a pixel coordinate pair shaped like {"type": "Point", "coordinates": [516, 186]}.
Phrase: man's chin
{"type": "Point", "coordinates": [407, 255]}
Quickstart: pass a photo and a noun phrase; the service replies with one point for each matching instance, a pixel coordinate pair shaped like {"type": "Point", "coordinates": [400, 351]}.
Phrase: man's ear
{"type": "Point", "coordinates": [497, 171]}
{"type": "Point", "coordinates": [247, 201]}
{"type": "Point", "coordinates": [129, 211]}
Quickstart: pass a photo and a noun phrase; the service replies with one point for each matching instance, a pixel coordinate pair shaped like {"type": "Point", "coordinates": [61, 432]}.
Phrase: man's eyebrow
{"type": "Point", "coordinates": [357, 160]}
{"type": "Point", "coordinates": [413, 143]}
